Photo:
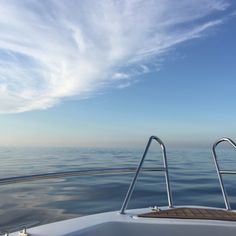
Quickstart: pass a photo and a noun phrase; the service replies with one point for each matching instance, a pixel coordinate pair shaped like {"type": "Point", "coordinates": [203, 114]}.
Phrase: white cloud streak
{"type": "Point", "coordinates": [56, 49]}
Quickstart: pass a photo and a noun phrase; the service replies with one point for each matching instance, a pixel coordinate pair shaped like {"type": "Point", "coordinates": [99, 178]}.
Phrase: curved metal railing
{"type": "Point", "coordinates": [220, 172]}
{"type": "Point", "coordinates": [164, 168]}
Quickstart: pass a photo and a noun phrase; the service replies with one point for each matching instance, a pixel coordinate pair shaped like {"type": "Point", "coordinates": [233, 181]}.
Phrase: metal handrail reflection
{"type": "Point", "coordinates": [54, 175]}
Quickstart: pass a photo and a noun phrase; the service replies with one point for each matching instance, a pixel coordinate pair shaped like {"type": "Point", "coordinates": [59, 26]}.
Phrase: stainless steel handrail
{"type": "Point", "coordinates": [220, 172]}
{"type": "Point", "coordinates": [165, 169]}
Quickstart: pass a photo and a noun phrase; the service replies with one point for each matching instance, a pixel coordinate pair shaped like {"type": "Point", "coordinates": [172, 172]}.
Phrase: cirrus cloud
{"type": "Point", "coordinates": [56, 49]}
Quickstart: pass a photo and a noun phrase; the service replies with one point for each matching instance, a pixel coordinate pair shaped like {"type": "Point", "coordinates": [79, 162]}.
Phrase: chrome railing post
{"type": "Point", "coordinates": [220, 172]}
{"type": "Point", "coordinates": [169, 195]}
{"type": "Point", "coordinates": [132, 185]}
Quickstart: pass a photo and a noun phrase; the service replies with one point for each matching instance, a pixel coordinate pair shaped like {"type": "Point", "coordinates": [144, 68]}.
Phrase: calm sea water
{"type": "Point", "coordinates": [192, 174]}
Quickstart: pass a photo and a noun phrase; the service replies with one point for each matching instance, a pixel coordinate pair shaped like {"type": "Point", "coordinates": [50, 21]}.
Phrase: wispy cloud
{"type": "Point", "coordinates": [55, 49]}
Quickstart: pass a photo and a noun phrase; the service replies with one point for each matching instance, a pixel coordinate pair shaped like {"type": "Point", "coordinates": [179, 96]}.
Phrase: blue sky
{"type": "Point", "coordinates": [112, 73]}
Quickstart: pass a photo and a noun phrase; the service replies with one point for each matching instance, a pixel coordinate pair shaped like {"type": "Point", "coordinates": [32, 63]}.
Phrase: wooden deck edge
{"type": "Point", "coordinates": [192, 213]}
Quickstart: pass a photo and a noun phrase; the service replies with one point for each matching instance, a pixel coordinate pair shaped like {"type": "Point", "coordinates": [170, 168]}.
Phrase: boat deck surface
{"type": "Point", "coordinates": [192, 213]}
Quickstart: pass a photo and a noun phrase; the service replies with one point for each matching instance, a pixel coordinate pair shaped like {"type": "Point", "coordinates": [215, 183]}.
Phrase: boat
{"type": "Point", "coordinates": [169, 220]}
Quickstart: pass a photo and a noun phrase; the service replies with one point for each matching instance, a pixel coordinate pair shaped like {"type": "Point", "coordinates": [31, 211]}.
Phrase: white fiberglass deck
{"type": "Point", "coordinates": [115, 224]}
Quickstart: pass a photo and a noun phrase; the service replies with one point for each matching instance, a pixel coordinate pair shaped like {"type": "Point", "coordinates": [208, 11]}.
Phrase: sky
{"type": "Point", "coordinates": [114, 72]}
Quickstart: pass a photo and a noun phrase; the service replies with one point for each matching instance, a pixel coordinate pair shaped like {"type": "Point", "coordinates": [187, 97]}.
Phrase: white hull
{"type": "Point", "coordinates": [115, 224]}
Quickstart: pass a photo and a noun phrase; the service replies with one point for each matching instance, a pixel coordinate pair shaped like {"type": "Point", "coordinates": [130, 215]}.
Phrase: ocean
{"type": "Point", "coordinates": [192, 176]}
